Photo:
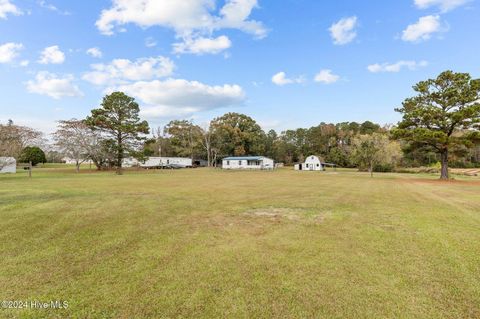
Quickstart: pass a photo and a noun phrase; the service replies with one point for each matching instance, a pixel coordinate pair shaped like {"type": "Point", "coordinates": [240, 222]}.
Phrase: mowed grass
{"type": "Point", "coordinates": [205, 243]}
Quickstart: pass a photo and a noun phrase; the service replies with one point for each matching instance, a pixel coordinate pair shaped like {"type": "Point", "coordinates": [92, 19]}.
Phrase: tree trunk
{"type": "Point", "coordinates": [119, 155]}
{"type": "Point", "coordinates": [77, 166]}
{"type": "Point", "coordinates": [444, 159]}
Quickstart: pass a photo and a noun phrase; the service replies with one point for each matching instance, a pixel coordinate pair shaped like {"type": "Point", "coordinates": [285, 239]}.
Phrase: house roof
{"type": "Point", "coordinates": [243, 158]}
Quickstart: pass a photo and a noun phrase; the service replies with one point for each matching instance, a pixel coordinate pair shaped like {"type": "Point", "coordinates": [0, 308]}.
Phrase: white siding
{"type": "Point", "coordinates": [8, 165]}
{"type": "Point", "coordinates": [312, 163]}
{"type": "Point", "coordinates": [255, 164]}
{"type": "Point", "coordinates": [166, 161]}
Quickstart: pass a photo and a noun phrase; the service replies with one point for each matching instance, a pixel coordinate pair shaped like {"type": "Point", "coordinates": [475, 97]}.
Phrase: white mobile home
{"type": "Point", "coordinates": [130, 162]}
{"type": "Point", "coordinates": [248, 162]}
{"type": "Point", "coordinates": [168, 162]}
{"type": "Point", "coordinates": [312, 163]}
{"type": "Point", "coordinates": [8, 165]}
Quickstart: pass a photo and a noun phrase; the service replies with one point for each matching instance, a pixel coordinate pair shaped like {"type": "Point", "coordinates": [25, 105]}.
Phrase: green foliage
{"type": "Point", "coordinates": [185, 137]}
{"type": "Point", "coordinates": [238, 134]}
{"type": "Point", "coordinates": [375, 152]}
{"type": "Point", "coordinates": [441, 108]}
{"type": "Point", "coordinates": [119, 120]}
{"type": "Point", "coordinates": [32, 154]}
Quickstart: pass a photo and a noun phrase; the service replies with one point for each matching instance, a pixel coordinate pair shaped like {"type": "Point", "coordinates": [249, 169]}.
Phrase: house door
{"type": "Point", "coordinates": [311, 167]}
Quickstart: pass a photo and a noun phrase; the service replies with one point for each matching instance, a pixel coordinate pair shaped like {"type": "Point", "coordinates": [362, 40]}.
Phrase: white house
{"type": "Point", "coordinates": [8, 165]}
{"type": "Point", "coordinates": [172, 162]}
{"type": "Point", "coordinates": [312, 163]}
{"type": "Point", "coordinates": [248, 162]}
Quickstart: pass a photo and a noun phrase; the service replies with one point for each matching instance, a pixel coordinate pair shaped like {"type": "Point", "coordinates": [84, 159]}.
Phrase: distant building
{"type": "Point", "coordinates": [167, 162]}
{"type": "Point", "coordinates": [312, 163]}
{"type": "Point", "coordinates": [130, 162]}
{"type": "Point", "coordinates": [200, 163]}
{"type": "Point", "coordinates": [71, 161]}
{"type": "Point", "coordinates": [248, 162]}
{"type": "Point", "coordinates": [8, 165]}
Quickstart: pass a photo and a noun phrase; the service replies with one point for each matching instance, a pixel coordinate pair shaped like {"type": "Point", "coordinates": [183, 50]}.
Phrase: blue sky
{"type": "Point", "coordinates": [288, 64]}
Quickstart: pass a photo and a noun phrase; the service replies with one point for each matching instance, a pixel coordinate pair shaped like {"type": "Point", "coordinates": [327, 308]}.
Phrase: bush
{"type": "Point", "coordinates": [32, 154]}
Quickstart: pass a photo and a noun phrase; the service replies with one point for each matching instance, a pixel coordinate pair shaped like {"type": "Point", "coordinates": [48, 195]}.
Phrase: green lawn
{"type": "Point", "coordinates": [203, 243]}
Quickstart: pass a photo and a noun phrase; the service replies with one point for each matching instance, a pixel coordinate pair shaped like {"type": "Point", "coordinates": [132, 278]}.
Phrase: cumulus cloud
{"type": "Point", "coordinates": [54, 86]}
{"type": "Point", "coordinates": [149, 80]}
{"type": "Point", "coordinates": [396, 67]}
{"type": "Point", "coordinates": [326, 77]}
{"type": "Point", "coordinates": [95, 52]}
{"type": "Point", "coordinates": [423, 29]}
{"type": "Point", "coordinates": [181, 97]}
{"type": "Point", "coordinates": [52, 55]}
{"type": "Point", "coordinates": [7, 7]}
{"type": "Point", "coordinates": [343, 31]}
{"type": "Point", "coordinates": [281, 79]}
{"type": "Point", "coordinates": [120, 71]}
{"type": "Point", "coordinates": [202, 45]}
{"type": "Point", "coordinates": [193, 21]}
{"type": "Point", "coordinates": [444, 5]}
{"type": "Point", "coordinates": [9, 51]}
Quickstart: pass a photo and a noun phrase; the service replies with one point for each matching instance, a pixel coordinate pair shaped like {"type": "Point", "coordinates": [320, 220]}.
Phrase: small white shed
{"type": "Point", "coordinates": [8, 165]}
{"type": "Point", "coordinates": [248, 162]}
{"type": "Point", "coordinates": [312, 163]}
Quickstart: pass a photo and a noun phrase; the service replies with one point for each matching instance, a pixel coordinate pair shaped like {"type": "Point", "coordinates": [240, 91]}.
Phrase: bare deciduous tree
{"type": "Point", "coordinates": [14, 138]}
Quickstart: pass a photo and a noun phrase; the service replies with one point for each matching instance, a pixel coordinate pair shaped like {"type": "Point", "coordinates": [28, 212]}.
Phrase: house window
{"type": "Point", "coordinates": [240, 163]}
{"type": "Point", "coordinates": [318, 165]}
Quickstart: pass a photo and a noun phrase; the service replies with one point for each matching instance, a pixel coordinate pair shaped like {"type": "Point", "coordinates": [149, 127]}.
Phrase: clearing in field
{"type": "Point", "coordinates": [211, 243]}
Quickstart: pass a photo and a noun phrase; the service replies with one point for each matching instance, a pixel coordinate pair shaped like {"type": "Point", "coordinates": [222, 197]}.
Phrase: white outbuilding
{"type": "Point", "coordinates": [8, 165]}
{"type": "Point", "coordinates": [248, 162]}
{"type": "Point", "coordinates": [312, 163]}
{"type": "Point", "coordinates": [167, 162]}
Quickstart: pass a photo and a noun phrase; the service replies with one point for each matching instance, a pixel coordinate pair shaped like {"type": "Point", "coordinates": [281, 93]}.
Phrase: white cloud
{"type": "Point", "coordinates": [6, 7]}
{"type": "Point", "coordinates": [52, 55]}
{"type": "Point", "coordinates": [203, 45]}
{"type": "Point", "coordinates": [181, 97]}
{"type": "Point", "coordinates": [120, 71]}
{"type": "Point", "coordinates": [9, 51]}
{"type": "Point", "coordinates": [54, 86]}
{"type": "Point", "coordinates": [234, 15]}
{"type": "Point", "coordinates": [25, 63]}
{"type": "Point", "coordinates": [44, 4]}
{"type": "Point", "coordinates": [444, 5]}
{"type": "Point", "coordinates": [281, 79]}
{"type": "Point", "coordinates": [343, 31]}
{"type": "Point", "coordinates": [326, 77]}
{"type": "Point", "coordinates": [396, 67]}
{"type": "Point", "coordinates": [190, 19]}
{"type": "Point", "coordinates": [423, 29]}
{"type": "Point", "coordinates": [150, 42]}
{"type": "Point", "coordinates": [95, 52]}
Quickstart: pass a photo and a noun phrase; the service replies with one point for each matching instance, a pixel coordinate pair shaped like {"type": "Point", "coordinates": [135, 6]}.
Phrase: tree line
{"type": "Point", "coordinates": [439, 124]}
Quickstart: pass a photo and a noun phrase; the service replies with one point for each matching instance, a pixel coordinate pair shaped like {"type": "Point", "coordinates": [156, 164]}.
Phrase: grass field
{"type": "Point", "coordinates": [206, 243]}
